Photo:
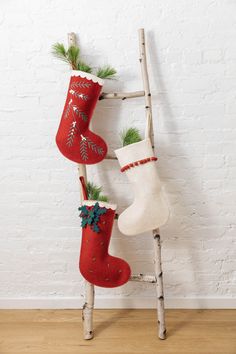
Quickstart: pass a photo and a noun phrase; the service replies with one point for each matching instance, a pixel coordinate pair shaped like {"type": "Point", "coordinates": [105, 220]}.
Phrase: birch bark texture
{"type": "Point", "coordinates": [149, 133]}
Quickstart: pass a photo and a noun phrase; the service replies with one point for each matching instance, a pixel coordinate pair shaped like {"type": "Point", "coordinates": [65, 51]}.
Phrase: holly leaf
{"type": "Point", "coordinates": [91, 213]}
{"type": "Point", "coordinates": [96, 228]}
{"type": "Point", "coordinates": [83, 209]}
{"type": "Point", "coordinates": [91, 216]}
{"type": "Point", "coordinates": [102, 211]}
{"type": "Point", "coordinates": [90, 221]}
{"type": "Point", "coordinates": [96, 219]}
{"type": "Point", "coordinates": [83, 223]}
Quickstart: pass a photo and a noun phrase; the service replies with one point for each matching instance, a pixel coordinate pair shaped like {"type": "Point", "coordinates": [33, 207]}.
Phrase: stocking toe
{"type": "Point", "coordinates": [108, 273]}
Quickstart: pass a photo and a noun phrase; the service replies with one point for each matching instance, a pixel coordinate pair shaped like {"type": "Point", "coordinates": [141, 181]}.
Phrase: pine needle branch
{"type": "Point", "coordinates": [73, 56]}
{"type": "Point", "coordinates": [106, 72]}
{"type": "Point", "coordinates": [94, 192]}
{"type": "Point", "coordinates": [59, 52]}
{"type": "Point", "coordinates": [103, 198]}
{"type": "Point", "coordinates": [130, 136]}
{"type": "Point", "coordinates": [70, 56]}
{"type": "Point", "coordinates": [84, 67]}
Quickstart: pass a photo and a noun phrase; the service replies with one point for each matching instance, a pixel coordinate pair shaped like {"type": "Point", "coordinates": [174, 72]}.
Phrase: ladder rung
{"type": "Point", "coordinates": [143, 278]}
{"type": "Point", "coordinates": [121, 95]}
{"type": "Point", "coordinates": [109, 157]}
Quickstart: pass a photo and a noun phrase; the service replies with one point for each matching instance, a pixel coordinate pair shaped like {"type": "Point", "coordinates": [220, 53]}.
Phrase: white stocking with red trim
{"type": "Point", "coordinates": [149, 209]}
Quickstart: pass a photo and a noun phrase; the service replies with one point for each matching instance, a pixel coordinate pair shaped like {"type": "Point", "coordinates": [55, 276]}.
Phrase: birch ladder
{"type": "Point", "coordinates": [157, 279]}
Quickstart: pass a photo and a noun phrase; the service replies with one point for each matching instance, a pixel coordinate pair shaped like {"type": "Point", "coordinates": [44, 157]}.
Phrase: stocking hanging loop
{"type": "Point", "coordinates": [84, 189]}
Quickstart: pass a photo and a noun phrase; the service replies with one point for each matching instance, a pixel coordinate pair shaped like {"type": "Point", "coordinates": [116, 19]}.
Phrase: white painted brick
{"type": "Point", "coordinates": [192, 57]}
{"type": "Point", "coordinates": [212, 56]}
{"type": "Point", "coordinates": [230, 53]}
{"type": "Point", "coordinates": [192, 76]}
{"type": "Point", "coordinates": [231, 109]}
{"type": "Point", "coordinates": [230, 69]}
{"type": "Point", "coordinates": [215, 161]}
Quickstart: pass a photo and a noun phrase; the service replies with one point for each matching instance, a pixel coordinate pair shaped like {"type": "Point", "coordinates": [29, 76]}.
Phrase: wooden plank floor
{"type": "Point", "coordinates": [117, 331]}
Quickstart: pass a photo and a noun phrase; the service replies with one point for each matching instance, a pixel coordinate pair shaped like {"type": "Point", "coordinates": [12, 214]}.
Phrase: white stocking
{"type": "Point", "coordinates": [149, 209]}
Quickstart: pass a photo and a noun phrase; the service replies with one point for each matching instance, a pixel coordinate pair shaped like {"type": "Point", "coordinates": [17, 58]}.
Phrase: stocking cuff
{"type": "Point", "coordinates": [88, 76]}
{"type": "Point", "coordinates": [101, 204]}
{"type": "Point", "coordinates": [135, 152]}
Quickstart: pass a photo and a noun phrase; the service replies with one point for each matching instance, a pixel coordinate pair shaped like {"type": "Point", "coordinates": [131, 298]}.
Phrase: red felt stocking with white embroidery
{"type": "Point", "coordinates": [74, 138]}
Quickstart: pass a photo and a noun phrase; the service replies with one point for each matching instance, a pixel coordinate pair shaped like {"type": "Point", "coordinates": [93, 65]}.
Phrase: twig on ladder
{"type": "Point", "coordinates": [156, 236]}
{"type": "Point", "coordinates": [87, 312]}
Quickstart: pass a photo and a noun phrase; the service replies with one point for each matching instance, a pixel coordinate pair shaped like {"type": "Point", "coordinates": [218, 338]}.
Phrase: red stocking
{"type": "Point", "coordinates": [74, 139]}
{"type": "Point", "coordinates": [96, 265]}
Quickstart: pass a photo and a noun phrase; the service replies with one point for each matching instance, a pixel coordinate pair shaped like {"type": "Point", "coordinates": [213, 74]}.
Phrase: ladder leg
{"type": "Point", "coordinates": [87, 313]}
{"type": "Point", "coordinates": [156, 236]}
{"type": "Point", "coordinates": [159, 284]}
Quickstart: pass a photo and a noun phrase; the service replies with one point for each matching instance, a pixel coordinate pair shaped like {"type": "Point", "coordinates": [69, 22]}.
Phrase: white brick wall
{"type": "Point", "coordinates": [192, 62]}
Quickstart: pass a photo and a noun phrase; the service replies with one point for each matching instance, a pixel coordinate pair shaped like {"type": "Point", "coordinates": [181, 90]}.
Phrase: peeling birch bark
{"type": "Point", "coordinates": [159, 284]}
{"type": "Point", "coordinates": [87, 312]}
{"type": "Point", "coordinates": [148, 101]}
{"type": "Point", "coordinates": [71, 39]}
{"type": "Point", "coordinates": [143, 278]}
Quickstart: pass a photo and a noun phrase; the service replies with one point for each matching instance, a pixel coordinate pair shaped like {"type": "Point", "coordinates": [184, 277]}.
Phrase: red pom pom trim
{"type": "Point", "coordinates": [137, 163]}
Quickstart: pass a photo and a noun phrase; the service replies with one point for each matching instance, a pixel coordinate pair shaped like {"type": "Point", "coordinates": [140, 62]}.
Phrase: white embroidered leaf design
{"type": "Point", "coordinates": [80, 85]}
{"type": "Point", "coordinates": [83, 149]}
{"type": "Point", "coordinates": [83, 116]}
{"type": "Point", "coordinates": [79, 95]}
{"type": "Point", "coordinates": [88, 143]}
{"type": "Point", "coordinates": [80, 114]}
{"type": "Point", "coordinates": [97, 149]}
{"type": "Point", "coordinates": [67, 111]}
{"type": "Point", "coordinates": [72, 131]}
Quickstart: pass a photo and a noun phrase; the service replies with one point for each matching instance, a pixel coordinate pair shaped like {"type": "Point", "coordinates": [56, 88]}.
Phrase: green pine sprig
{"type": "Point", "coordinates": [59, 52]}
{"type": "Point", "coordinates": [84, 67]}
{"type": "Point", "coordinates": [69, 56]}
{"type": "Point", "coordinates": [94, 192]}
{"type": "Point", "coordinates": [130, 136]}
{"type": "Point", "coordinates": [106, 72]}
{"type": "Point", "coordinates": [72, 57]}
